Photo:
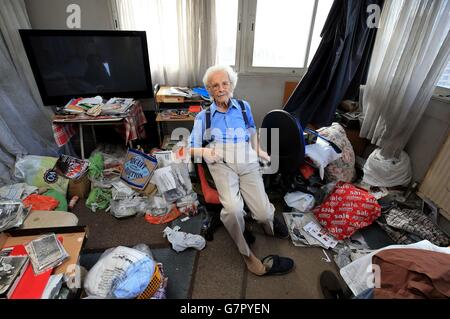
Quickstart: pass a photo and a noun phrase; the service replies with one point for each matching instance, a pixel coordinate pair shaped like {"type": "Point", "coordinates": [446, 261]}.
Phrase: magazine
{"type": "Point", "coordinates": [46, 252]}
{"type": "Point", "coordinates": [12, 214]}
{"type": "Point", "coordinates": [321, 234]}
{"type": "Point", "coordinates": [11, 270]}
{"type": "Point", "coordinates": [117, 105]}
{"type": "Point", "coordinates": [71, 167]}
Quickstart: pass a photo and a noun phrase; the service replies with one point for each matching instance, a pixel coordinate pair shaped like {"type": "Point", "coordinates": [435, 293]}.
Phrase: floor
{"type": "Point", "coordinates": [218, 271]}
{"type": "Point", "coordinates": [221, 272]}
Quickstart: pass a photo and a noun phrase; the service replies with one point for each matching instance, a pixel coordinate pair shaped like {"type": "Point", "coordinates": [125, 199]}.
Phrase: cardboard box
{"type": "Point", "coordinates": [74, 239]}
{"type": "Point", "coordinates": [79, 187]}
{"type": "Point", "coordinates": [149, 190]}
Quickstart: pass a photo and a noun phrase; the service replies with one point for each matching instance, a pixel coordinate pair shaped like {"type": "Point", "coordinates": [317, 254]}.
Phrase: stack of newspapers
{"type": "Point", "coordinates": [117, 106]}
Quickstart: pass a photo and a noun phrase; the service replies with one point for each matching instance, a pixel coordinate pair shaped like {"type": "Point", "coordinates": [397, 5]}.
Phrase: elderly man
{"type": "Point", "coordinates": [225, 137]}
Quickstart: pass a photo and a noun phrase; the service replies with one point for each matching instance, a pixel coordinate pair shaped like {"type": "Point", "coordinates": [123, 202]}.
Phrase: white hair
{"type": "Point", "coordinates": [221, 68]}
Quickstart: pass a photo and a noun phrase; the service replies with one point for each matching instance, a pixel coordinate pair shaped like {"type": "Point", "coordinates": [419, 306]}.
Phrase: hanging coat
{"type": "Point", "coordinates": [339, 66]}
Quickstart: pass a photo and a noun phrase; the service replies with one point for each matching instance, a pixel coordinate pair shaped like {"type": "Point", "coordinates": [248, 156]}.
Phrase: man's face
{"type": "Point", "coordinates": [220, 87]}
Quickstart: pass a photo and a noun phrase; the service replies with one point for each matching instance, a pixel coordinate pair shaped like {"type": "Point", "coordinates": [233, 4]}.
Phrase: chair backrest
{"type": "Point", "coordinates": [291, 140]}
{"type": "Point", "coordinates": [210, 194]}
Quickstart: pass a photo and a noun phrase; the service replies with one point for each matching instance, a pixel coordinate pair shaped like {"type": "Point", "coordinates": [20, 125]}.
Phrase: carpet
{"type": "Point", "coordinates": [106, 231]}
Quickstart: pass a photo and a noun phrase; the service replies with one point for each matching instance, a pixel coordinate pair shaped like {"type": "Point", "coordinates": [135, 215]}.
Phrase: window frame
{"type": "Point", "coordinates": [245, 40]}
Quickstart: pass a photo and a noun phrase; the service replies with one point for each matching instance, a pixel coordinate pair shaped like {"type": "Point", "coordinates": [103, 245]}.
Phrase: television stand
{"type": "Point", "coordinates": [66, 126]}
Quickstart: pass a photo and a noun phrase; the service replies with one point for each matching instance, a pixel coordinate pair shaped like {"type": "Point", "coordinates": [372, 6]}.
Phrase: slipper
{"type": "Point", "coordinates": [277, 265]}
{"type": "Point", "coordinates": [331, 288]}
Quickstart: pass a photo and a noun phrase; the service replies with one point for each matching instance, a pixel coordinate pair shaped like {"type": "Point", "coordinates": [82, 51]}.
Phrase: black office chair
{"type": "Point", "coordinates": [289, 151]}
{"type": "Point", "coordinates": [291, 143]}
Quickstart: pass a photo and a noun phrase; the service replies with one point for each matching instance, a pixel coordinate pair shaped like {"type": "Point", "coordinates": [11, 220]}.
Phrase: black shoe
{"type": "Point", "coordinates": [331, 288]}
{"type": "Point", "coordinates": [276, 265]}
{"type": "Point", "coordinates": [279, 229]}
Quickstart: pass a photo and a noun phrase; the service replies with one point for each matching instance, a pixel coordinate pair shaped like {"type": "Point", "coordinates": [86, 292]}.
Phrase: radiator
{"type": "Point", "coordinates": [436, 185]}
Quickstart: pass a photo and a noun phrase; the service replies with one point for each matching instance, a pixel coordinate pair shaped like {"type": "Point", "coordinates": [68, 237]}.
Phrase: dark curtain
{"type": "Point", "coordinates": [339, 66]}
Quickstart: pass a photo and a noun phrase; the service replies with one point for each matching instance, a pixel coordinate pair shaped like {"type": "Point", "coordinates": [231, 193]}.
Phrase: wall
{"type": "Point", "coordinates": [263, 92]}
{"type": "Point", "coordinates": [51, 14]}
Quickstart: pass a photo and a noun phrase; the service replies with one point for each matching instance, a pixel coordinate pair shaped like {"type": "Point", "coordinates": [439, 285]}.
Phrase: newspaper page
{"type": "Point", "coordinates": [295, 222]}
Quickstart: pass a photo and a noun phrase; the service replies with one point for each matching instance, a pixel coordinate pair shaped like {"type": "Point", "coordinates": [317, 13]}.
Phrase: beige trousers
{"type": "Point", "coordinates": [238, 182]}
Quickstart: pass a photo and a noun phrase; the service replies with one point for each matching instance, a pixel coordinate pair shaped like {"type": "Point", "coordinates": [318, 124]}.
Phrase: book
{"type": "Point", "coordinates": [12, 269]}
{"type": "Point", "coordinates": [30, 285]}
{"type": "Point", "coordinates": [72, 106]}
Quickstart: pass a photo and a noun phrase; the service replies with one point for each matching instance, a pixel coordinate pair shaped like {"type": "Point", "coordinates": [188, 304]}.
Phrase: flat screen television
{"type": "Point", "coordinates": [79, 63]}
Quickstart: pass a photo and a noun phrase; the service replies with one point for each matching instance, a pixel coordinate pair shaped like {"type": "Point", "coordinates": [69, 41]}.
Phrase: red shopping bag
{"type": "Point", "coordinates": [347, 209]}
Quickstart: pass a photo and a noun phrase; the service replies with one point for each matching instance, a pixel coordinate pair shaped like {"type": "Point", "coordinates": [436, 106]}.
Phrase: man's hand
{"type": "Point", "coordinates": [211, 156]}
{"type": "Point", "coordinates": [264, 156]}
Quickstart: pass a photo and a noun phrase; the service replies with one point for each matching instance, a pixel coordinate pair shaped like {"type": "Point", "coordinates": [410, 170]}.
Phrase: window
{"type": "Point", "coordinates": [269, 36]}
{"type": "Point", "coordinates": [445, 78]}
{"type": "Point", "coordinates": [226, 17]}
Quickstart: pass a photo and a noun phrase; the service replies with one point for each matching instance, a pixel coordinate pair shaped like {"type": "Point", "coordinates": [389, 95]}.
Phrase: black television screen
{"type": "Point", "coordinates": [78, 63]}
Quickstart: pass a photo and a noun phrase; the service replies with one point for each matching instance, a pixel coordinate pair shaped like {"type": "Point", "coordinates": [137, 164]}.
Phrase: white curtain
{"type": "Point", "coordinates": [13, 16]}
{"type": "Point", "coordinates": [181, 36]}
{"type": "Point", "coordinates": [25, 127]}
{"type": "Point", "coordinates": [410, 53]}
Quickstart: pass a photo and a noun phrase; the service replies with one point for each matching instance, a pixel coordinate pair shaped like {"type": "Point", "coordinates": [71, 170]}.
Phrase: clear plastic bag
{"type": "Point", "coordinates": [124, 208]}
{"type": "Point", "coordinates": [173, 181]}
{"type": "Point", "coordinates": [188, 205]}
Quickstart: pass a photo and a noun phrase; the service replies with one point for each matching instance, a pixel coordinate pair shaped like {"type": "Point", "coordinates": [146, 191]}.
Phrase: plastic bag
{"type": "Point", "coordinates": [41, 202]}
{"type": "Point", "coordinates": [120, 273]}
{"type": "Point", "coordinates": [387, 172]}
{"type": "Point", "coordinates": [98, 199]}
{"type": "Point", "coordinates": [38, 171]}
{"type": "Point", "coordinates": [300, 201]}
{"type": "Point", "coordinates": [181, 240]}
{"type": "Point", "coordinates": [171, 214]}
{"type": "Point", "coordinates": [321, 153]}
{"type": "Point", "coordinates": [346, 210]}
{"type": "Point", "coordinates": [188, 205]}
{"type": "Point", "coordinates": [173, 181]}
{"type": "Point", "coordinates": [124, 207]}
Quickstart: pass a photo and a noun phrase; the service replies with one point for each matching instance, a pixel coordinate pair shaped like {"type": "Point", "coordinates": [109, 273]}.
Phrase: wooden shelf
{"type": "Point", "coordinates": [159, 118]}
{"type": "Point", "coordinates": [163, 96]}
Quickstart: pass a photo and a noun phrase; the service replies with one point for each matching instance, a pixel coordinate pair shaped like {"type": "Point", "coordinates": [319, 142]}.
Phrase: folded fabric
{"type": "Point", "coordinates": [181, 240]}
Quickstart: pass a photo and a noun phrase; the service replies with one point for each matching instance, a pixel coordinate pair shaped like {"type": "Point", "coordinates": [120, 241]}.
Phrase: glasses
{"type": "Point", "coordinates": [216, 86]}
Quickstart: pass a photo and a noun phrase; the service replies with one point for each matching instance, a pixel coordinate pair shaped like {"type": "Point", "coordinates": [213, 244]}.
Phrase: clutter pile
{"type": "Point", "coordinates": [95, 106]}
{"type": "Point", "coordinates": [337, 196]}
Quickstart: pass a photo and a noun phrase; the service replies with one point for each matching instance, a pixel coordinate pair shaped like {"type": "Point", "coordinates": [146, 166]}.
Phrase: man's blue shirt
{"type": "Point", "coordinates": [224, 125]}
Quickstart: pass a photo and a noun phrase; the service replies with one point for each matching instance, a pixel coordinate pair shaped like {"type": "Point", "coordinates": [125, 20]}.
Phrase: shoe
{"type": "Point", "coordinates": [279, 229]}
{"type": "Point", "coordinates": [276, 265]}
{"type": "Point", "coordinates": [331, 288]}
